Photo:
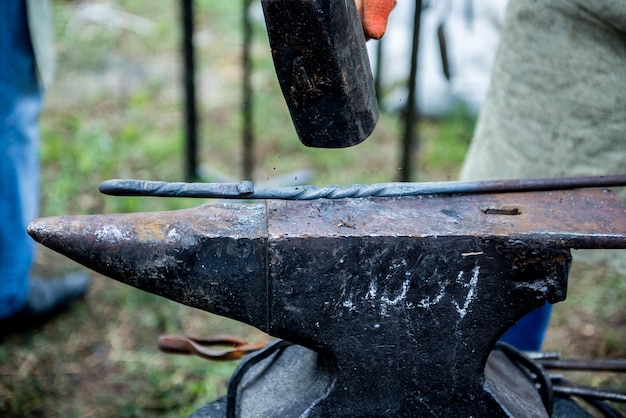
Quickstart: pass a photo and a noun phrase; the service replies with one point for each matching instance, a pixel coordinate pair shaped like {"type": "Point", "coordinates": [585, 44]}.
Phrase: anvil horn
{"type": "Point", "coordinates": [158, 253]}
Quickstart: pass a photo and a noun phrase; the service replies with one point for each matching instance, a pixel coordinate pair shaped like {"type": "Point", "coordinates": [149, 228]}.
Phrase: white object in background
{"type": "Point", "coordinates": [471, 31]}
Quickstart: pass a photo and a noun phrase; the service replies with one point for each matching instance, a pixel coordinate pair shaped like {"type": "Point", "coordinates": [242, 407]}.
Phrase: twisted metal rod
{"type": "Point", "coordinates": [247, 190]}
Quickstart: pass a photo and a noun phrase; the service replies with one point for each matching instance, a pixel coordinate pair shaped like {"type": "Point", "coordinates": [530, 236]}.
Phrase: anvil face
{"type": "Point", "coordinates": [389, 291]}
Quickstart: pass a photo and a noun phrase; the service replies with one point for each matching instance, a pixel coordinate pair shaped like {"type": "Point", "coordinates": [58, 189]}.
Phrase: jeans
{"type": "Point", "coordinates": [20, 105]}
{"type": "Point", "coordinates": [528, 333]}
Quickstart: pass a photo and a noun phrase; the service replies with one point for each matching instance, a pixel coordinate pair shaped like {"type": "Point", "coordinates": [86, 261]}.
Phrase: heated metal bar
{"type": "Point", "coordinates": [246, 189]}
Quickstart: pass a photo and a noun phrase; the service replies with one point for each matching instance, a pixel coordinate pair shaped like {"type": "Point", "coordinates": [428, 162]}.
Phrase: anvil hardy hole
{"type": "Point", "coordinates": [505, 210]}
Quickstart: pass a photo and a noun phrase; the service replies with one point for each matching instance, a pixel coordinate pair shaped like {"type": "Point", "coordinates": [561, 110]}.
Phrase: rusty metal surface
{"type": "Point", "coordinates": [423, 311]}
{"type": "Point", "coordinates": [395, 291]}
{"type": "Point", "coordinates": [559, 219]}
{"type": "Point", "coordinates": [212, 257]}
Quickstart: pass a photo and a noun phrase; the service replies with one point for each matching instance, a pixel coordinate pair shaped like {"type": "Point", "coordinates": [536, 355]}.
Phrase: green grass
{"type": "Point", "coordinates": [116, 112]}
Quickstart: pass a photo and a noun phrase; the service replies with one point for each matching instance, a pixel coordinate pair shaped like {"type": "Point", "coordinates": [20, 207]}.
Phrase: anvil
{"type": "Point", "coordinates": [399, 301]}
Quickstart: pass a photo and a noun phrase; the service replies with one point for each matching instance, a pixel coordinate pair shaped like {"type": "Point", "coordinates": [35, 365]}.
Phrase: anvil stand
{"type": "Point", "coordinates": [395, 303]}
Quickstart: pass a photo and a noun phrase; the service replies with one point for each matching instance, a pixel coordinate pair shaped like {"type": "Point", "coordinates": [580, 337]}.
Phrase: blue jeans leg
{"type": "Point", "coordinates": [528, 333]}
{"type": "Point", "coordinates": [20, 105]}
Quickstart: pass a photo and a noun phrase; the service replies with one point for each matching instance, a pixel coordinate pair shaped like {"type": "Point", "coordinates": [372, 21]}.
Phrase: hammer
{"type": "Point", "coordinates": [321, 61]}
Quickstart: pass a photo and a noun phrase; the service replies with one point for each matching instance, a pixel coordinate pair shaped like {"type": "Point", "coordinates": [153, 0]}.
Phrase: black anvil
{"type": "Point", "coordinates": [397, 301]}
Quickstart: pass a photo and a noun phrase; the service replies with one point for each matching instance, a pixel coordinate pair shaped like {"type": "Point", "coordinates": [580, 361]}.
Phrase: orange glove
{"type": "Point", "coordinates": [374, 15]}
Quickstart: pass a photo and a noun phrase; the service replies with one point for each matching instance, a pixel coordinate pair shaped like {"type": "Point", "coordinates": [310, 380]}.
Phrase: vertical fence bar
{"type": "Point", "coordinates": [191, 117]}
{"type": "Point", "coordinates": [378, 78]}
{"type": "Point", "coordinates": [247, 112]}
{"type": "Point", "coordinates": [411, 116]}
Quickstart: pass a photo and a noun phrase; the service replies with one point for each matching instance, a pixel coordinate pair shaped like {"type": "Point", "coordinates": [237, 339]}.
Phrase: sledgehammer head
{"type": "Point", "coordinates": [323, 69]}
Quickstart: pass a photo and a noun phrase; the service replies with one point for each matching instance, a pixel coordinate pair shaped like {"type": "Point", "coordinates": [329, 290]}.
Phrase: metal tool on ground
{"type": "Point", "coordinates": [224, 347]}
{"type": "Point", "coordinates": [391, 305]}
{"type": "Point", "coordinates": [323, 69]}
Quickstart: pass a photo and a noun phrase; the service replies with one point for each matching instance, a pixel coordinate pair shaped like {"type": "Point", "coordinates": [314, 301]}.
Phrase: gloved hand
{"type": "Point", "coordinates": [374, 15]}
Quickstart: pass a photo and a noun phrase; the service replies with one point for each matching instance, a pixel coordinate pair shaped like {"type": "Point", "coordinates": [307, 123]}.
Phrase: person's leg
{"type": "Point", "coordinates": [528, 333]}
{"type": "Point", "coordinates": [20, 104]}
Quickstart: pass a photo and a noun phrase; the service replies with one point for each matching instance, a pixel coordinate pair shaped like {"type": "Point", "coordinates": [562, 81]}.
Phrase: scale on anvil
{"type": "Point", "coordinates": [393, 303]}
{"type": "Point", "coordinates": [387, 300]}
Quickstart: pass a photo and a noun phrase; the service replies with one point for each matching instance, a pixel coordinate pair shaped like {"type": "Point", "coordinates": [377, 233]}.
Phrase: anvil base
{"type": "Point", "coordinates": [291, 383]}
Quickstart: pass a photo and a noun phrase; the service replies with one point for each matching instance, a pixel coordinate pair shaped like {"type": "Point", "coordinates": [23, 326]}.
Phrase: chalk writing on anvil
{"type": "Point", "coordinates": [398, 297]}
